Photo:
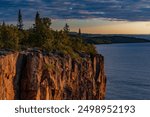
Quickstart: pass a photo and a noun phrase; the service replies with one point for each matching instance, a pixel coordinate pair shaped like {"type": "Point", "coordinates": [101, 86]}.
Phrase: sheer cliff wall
{"type": "Point", "coordinates": [36, 75]}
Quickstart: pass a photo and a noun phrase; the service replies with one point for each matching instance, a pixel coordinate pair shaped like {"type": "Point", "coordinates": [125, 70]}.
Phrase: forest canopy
{"type": "Point", "coordinates": [42, 36]}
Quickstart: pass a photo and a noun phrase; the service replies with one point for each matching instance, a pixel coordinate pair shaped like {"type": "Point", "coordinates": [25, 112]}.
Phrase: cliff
{"type": "Point", "coordinates": [37, 75]}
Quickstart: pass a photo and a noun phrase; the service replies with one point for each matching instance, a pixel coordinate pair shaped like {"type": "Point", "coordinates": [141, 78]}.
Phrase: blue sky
{"type": "Point", "coordinates": [78, 12]}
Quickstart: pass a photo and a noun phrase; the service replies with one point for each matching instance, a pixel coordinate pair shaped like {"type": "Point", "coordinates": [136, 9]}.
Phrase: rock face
{"type": "Point", "coordinates": [36, 75]}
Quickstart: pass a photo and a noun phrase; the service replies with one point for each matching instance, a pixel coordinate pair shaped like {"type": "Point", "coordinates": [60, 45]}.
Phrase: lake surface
{"type": "Point", "coordinates": [127, 67]}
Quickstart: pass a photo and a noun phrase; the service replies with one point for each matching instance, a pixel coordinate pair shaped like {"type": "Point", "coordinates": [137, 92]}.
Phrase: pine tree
{"type": "Point", "coordinates": [79, 32]}
{"type": "Point", "coordinates": [66, 28]}
{"type": "Point", "coordinates": [37, 19]}
{"type": "Point", "coordinates": [3, 24]}
{"type": "Point", "coordinates": [20, 21]}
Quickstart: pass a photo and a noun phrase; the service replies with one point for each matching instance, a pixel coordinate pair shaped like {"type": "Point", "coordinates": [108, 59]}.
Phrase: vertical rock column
{"type": "Point", "coordinates": [7, 75]}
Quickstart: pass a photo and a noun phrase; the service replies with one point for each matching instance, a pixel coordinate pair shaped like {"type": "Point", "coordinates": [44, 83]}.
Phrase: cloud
{"type": "Point", "coordinates": [130, 10]}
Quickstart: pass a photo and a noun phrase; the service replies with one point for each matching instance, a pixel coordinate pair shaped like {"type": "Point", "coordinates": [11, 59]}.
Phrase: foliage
{"type": "Point", "coordinates": [20, 21]}
{"type": "Point", "coordinates": [79, 32]}
{"type": "Point", "coordinates": [42, 36]}
{"type": "Point", "coordinates": [66, 28]}
{"type": "Point", "coordinates": [9, 36]}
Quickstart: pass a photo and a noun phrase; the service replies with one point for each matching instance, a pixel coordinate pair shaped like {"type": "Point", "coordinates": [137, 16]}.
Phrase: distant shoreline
{"type": "Point", "coordinates": [120, 43]}
{"type": "Point", "coordinates": [111, 39]}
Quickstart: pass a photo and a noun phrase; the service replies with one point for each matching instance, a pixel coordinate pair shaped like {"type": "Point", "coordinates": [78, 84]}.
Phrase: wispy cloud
{"type": "Point", "coordinates": [130, 10]}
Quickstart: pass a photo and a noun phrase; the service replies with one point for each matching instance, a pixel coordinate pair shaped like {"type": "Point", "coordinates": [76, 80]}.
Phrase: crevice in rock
{"type": "Point", "coordinates": [20, 67]}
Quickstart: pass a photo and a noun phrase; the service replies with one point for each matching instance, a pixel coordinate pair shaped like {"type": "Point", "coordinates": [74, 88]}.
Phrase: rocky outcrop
{"type": "Point", "coordinates": [37, 75]}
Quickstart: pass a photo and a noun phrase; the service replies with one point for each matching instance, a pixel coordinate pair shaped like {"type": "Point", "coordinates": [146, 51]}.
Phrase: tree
{"type": "Point", "coordinates": [46, 22]}
{"type": "Point", "coordinates": [79, 32]}
{"type": "Point", "coordinates": [20, 21]}
{"type": "Point", "coordinates": [66, 28]}
{"type": "Point", "coordinates": [10, 37]}
{"type": "Point", "coordinates": [37, 19]}
{"type": "Point", "coordinates": [41, 33]}
{"type": "Point", "coordinates": [3, 24]}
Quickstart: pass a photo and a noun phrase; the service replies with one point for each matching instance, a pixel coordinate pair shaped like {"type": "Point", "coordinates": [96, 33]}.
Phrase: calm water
{"type": "Point", "coordinates": [127, 67]}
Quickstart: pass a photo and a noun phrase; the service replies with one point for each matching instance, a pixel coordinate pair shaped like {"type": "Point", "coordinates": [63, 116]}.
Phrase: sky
{"type": "Point", "coordinates": [92, 16]}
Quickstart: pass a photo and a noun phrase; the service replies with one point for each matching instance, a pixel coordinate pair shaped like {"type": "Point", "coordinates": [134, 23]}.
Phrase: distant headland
{"type": "Point", "coordinates": [110, 39]}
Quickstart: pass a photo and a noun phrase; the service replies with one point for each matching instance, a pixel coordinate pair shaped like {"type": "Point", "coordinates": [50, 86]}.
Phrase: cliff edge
{"type": "Point", "coordinates": [37, 75]}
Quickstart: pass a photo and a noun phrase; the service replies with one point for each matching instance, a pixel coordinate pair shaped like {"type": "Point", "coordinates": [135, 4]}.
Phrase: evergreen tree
{"type": "Point", "coordinates": [46, 22]}
{"type": "Point", "coordinates": [20, 21]}
{"type": "Point", "coordinates": [66, 28]}
{"type": "Point", "coordinates": [37, 19]}
{"type": "Point", "coordinates": [79, 32]}
{"type": "Point", "coordinates": [3, 24]}
{"type": "Point", "coordinates": [41, 33]}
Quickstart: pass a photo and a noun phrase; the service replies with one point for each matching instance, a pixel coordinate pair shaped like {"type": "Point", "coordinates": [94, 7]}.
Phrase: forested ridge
{"type": "Point", "coordinates": [42, 36]}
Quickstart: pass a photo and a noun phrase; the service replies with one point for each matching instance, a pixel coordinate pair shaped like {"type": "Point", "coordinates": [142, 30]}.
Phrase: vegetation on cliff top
{"type": "Point", "coordinates": [41, 35]}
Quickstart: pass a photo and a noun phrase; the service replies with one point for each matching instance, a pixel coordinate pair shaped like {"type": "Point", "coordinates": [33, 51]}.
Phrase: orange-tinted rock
{"type": "Point", "coordinates": [35, 75]}
{"type": "Point", "coordinates": [7, 76]}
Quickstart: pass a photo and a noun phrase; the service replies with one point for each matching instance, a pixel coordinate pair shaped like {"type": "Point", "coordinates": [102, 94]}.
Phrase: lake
{"type": "Point", "coordinates": [127, 67]}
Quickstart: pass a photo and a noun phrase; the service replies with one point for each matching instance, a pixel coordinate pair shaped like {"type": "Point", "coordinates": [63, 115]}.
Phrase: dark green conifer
{"type": "Point", "coordinates": [37, 19]}
{"type": "Point", "coordinates": [66, 28]}
{"type": "Point", "coordinates": [20, 21]}
{"type": "Point", "coordinates": [79, 33]}
{"type": "Point", "coordinates": [3, 24]}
